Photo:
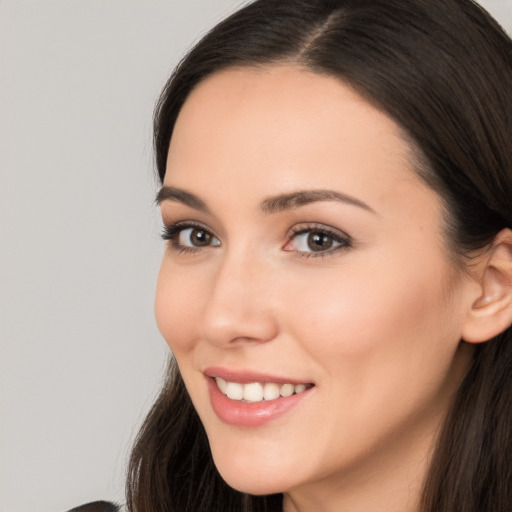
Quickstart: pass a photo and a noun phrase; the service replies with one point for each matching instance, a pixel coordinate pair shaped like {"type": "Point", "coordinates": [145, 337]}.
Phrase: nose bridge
{"type": "Point", "coordinates": [238, 307]}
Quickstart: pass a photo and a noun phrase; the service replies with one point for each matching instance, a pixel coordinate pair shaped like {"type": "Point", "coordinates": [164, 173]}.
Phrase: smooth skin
{"type": "Point", "coordinates": [356, 294]}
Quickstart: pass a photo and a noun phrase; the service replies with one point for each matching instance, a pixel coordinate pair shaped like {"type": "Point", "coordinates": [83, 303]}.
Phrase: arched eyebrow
{"type": "Point", "coordinates": [303, 197]}
{"type": "Point", "coordinates": [269, 205]}
{"type": "Point", "coordinates": [179, 195]}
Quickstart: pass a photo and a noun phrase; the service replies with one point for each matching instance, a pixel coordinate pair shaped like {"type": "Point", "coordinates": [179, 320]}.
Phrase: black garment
{"type": "Point", "coordinates": [97, 506]}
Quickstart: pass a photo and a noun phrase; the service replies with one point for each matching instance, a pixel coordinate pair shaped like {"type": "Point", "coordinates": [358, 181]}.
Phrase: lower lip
{"type": "Point", "coordinates": [242, 414]}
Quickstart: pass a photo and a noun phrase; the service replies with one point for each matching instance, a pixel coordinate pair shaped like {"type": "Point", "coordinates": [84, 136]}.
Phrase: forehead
{"type": "Point", "coordinates": [281, 107]}
{"type": "Point", "coordinates": [272, 130]}
{"type": "Point", "coordinates": [282, 93]}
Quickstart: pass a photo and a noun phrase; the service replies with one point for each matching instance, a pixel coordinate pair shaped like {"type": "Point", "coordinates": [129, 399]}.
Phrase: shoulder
{"type": "Point", "coordinates": [99, 506]}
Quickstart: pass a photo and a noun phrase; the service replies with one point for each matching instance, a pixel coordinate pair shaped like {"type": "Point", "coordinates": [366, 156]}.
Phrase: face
{"type": "Point", "coordinates": [306, 289]}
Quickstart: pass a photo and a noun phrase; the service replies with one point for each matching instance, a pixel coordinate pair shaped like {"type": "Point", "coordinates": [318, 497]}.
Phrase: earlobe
{"type": "Point", "coordinates": [491, 312]}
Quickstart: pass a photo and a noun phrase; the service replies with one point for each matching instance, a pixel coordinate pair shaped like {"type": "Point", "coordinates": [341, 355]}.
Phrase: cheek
{"type": "Point", "coordinates": [177, 303]}
{"type": "Point", "coordinates": [384, 347]}
{"type": "Point", "coordinates": [381, 320]}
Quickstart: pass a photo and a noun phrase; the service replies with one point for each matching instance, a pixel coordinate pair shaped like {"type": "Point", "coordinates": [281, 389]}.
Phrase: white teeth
{"type": "Point", "coordinates": [222, 384]}
{"type": "Point", "coordinates": [287, 390]}
{"type": "Point", "coordinates": [256, 391]}
{"type": "Point", "coordinates": [299, 388]}
{"type": "Point", "coordinates": [253, 392]}
{"type": "Point", "coordinates": [235, 391]}
{"type": "Point", "coordinates": [271, 391]}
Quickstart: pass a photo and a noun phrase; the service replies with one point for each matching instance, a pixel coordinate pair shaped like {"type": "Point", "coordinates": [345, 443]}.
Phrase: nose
{"type": "Point", "coordinates": [240, 306]}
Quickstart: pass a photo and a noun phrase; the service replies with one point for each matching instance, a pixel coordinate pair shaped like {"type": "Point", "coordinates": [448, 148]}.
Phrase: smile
{"type": "Point", "coordinates": [245, 398]}
{"type": "Point", "coordinates": [254, 392]}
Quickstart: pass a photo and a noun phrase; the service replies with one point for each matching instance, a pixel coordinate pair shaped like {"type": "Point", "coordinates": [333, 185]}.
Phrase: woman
{"type": "Point", "coordinates": [337, 285]}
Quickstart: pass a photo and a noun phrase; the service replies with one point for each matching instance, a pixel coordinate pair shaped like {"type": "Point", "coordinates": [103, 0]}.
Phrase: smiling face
{"type": "Point", "coordinates": [306, 257]}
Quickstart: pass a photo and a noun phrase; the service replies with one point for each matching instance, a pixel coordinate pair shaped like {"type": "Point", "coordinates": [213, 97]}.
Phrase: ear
{"type": "Point", "coordinates": [491, 312]}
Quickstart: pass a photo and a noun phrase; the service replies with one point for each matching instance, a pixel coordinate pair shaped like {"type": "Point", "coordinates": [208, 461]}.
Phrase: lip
{"type": "Point", "coordinates": [241, 414]}
{"type": "Point", "coordinates": [246, 377]}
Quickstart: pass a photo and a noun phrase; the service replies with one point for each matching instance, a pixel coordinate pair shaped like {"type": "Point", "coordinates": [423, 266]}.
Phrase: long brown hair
{"type": "Point", "coordinates": [442, 69]}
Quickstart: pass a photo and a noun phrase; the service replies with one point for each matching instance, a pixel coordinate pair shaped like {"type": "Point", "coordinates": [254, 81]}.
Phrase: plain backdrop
{"type": "Point", "coordinates": [80, 356]}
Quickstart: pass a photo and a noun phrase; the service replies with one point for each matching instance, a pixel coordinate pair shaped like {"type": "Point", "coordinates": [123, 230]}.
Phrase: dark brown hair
{"type": "Point", "coordinates": [442, 69]}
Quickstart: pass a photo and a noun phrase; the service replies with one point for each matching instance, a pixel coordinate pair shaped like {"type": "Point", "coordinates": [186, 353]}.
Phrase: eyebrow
{"type": "Point", "coordinates": [303, 197]}
{"type": "Point", "coordinates": [270, 205]}
{"type": "Point", "coordinates": [181, 196]}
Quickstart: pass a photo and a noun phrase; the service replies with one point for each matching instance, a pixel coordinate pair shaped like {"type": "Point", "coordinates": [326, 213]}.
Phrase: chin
{"type": "Point", "coordinates": [250, 475]}
{"type": "Point", "coordinates": [252, 484]}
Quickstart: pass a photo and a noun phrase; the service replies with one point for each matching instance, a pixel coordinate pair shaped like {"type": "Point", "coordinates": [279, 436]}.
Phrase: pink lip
{"type": "Point", "coordinates": [243, 414]}
{"type": "Point", "coordinates": [246, 377]}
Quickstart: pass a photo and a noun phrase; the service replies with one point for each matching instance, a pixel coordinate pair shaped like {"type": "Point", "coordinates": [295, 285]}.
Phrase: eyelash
{"type": "Point", "coordinates": [171, 234]}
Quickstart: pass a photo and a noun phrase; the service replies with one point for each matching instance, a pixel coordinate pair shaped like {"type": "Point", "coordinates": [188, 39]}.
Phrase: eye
{"type": "Point", "coordinates": [189, 237]}
{"type": "Point", "coordinates": [316, 241]}
{"type": "Point", "coordinates": [194, 237]}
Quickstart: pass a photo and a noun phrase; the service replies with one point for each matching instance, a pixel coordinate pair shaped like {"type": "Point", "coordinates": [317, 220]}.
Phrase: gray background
{"type": "Point", "coordinates": [80, 356]}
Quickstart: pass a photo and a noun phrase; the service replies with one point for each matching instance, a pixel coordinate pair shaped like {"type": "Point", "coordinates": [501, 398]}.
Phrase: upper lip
{"type": "Point", "coordinates": [247, 376]}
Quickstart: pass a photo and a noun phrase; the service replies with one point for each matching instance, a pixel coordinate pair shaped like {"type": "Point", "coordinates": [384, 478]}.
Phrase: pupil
{"type": "Point", "coordinates": [200, 237]}
{"type": "Point", "coordinates": [319, 241]}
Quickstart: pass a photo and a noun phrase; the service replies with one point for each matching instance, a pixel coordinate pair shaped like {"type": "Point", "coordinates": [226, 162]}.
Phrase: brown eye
{"type": "Point", "coordinates": [319, 241]}
{"type": "Point", "coordinates": [196, 237]}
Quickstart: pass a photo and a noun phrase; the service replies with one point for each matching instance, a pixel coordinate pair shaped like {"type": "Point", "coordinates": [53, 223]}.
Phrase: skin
{"type": "Point", "coordinates": [375, 323]}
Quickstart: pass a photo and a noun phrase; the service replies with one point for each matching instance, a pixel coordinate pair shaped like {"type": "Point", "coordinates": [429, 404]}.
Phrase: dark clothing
{"type": "Point", "coordinates": [97, 506]}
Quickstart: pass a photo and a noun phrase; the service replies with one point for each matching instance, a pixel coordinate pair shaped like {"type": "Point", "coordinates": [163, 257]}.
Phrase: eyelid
{"type": "Point", "coordinates": [175, 227]}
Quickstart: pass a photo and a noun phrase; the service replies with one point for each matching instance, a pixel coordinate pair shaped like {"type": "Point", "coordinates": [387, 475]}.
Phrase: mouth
{"type": "Point", "coordinates": [255, 392]}
{"type": "Point", "coordinates": [247, 399]}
